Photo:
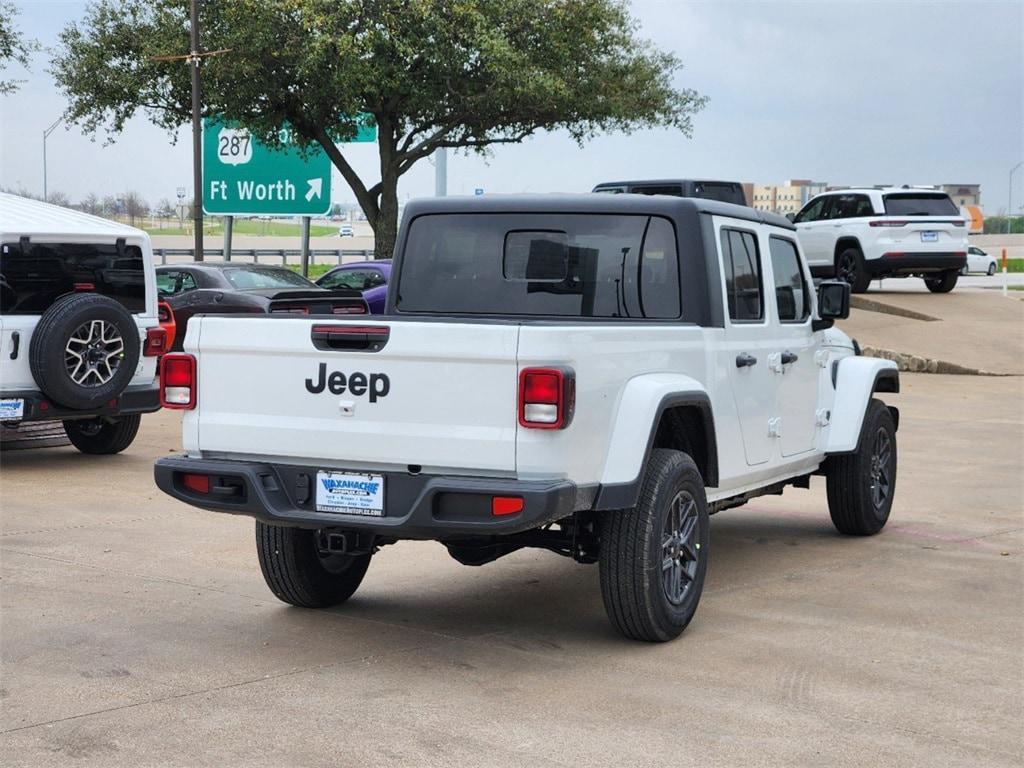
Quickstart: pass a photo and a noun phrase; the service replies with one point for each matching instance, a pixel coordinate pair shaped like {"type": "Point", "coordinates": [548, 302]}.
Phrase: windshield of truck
{"type": "Point", "coordinates": [560, 265]}
{"type": "Point", "coordinates": [34, 275]}
{"type": "Point", "coordinates": [919, 204]}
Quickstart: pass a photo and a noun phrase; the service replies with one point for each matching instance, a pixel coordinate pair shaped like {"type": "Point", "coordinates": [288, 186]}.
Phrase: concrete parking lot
{"type": "Point", "coordinates": [136, 631]}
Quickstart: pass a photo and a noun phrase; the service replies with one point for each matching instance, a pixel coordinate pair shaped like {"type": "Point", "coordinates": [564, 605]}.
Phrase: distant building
{"type": "Point", "coordinates": [794, 194]}
{"type": "Point", "coordinates": [785, 198]}
{"type": "Point", "coordinates": [963, 194]}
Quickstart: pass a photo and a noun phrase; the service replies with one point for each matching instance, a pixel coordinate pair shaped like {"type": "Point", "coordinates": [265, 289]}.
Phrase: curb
{"type": "Point", "coordinates": [917, 364]}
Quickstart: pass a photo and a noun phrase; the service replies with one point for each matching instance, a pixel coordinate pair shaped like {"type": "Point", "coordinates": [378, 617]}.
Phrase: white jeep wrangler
{"type": "Point", "coordinates": [79, 334]}
{"type": "Point", "coordinates": [593, 375]}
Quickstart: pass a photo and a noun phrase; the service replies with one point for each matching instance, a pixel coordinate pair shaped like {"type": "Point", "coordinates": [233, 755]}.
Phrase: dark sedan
{"type": "Point", "coordinates": [226, 287]}
{"type": "Point", "coordinates": [369, 277]}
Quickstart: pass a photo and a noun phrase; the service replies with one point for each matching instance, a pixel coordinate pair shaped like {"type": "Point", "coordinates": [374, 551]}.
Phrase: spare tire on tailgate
{"type": "Point", "coordinates": [84, 350]}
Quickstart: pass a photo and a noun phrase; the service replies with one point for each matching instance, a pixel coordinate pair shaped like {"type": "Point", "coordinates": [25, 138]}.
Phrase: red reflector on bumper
{"type": "Point", "coordinates": [506, 505]}
{"type": "Point", "coordinates": [196, 483]}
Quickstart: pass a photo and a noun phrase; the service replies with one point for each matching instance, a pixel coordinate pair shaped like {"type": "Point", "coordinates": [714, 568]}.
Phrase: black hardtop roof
{"type": "Point", "coordinates": [647, 205]}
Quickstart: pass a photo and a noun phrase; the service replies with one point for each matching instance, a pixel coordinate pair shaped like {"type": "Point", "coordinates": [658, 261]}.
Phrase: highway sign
{"type": "Point", "coordinates": [244, 177]}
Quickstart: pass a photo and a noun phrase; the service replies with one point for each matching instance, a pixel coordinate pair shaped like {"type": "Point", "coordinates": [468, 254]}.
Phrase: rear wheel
{"type": "Point", "coordinates": [101, 436]}
{"type": "Point", "coordinates": [654, 557]}
{"type": "Point", "coordinates": [850, 268]}
{"type": "Point", "coordinates": [298, 573]}
{"type": "Point", "coordinates": [945, 283]}
{"type": "Point", "coordinates": [860, 485]}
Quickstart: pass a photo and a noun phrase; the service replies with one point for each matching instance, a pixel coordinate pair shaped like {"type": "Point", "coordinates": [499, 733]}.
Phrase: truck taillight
{"type": "Point", "coordinates": [547, 397]}
{"type": "Point", "coordinates": [178, 381]}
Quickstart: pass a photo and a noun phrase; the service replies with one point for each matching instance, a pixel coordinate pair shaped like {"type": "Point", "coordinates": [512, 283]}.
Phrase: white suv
{"type": "Point", "coordinates": [859, 235]}
{"type": "Point", "coordinates": [79, 333]}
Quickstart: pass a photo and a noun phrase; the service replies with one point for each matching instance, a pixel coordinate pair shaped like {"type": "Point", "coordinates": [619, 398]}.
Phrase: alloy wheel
{"type": "Point", "coordinates": [680, 547]}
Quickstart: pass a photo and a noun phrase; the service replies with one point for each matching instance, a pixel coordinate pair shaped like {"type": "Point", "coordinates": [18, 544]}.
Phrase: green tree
{"type": "Point", "coordinates": [464, 74]}
{"type": "Point", "coordinates": [14, 47]}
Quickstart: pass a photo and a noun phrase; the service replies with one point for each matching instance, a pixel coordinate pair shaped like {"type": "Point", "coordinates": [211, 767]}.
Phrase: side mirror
{"type": "Point", "coordinates": [833, 303]}
{"type": "Point", "coordinates": [791, 216]}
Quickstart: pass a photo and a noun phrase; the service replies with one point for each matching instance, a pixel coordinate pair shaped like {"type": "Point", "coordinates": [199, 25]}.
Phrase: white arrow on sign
{"type": "Point", "coordinates": [316, 186]}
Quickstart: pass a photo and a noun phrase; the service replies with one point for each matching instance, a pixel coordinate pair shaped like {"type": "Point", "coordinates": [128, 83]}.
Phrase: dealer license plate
{"type": "Point", "coordinates": [12, 408]}
{"type": "Point", "coordinates": [929, 237]}
{"type": "Point", "coordinates": [350, 494]}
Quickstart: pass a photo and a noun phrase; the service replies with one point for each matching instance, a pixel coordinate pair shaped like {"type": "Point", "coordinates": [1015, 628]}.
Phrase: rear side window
{"type": "Point", "coordinates": [919, 204]}
{"type": "Point", "coordinates": [743, 284]}
{"type": "Point", "coordinates": [792, 298]}
{"type": "Point", "coordinates": [726, 193]}
{"type": "Point", "coordinates": [674, 190]}
{"type": "Point", "coordinates": [573, 265]}
{"type": "Point", "coordinates": [32, 277]}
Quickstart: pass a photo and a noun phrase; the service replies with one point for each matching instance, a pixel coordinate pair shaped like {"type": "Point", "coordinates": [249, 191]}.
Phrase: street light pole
{"type": "Point", "coordinates": [1009, 197]}
{"type": "Point", "coordinates": [46, 135]}
{"type": "Point", "coordinates": [197, 137]}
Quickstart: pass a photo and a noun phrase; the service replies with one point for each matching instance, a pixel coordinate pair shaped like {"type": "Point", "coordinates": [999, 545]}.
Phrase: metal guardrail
{"type": "Point", "coordinates": [280, 255]}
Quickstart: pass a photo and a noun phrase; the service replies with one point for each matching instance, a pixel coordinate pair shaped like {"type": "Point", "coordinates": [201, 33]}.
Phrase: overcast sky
{"type": "Point", "coordinates": [842, 92]}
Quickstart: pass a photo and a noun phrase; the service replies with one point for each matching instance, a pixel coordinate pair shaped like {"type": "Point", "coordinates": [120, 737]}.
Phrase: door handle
{"type": "Point", "coordinates": [744, 360]}
{"type": "Point", "coordinates": [789, 357]}
{"type": "Point", "coordinates": [15, 344]}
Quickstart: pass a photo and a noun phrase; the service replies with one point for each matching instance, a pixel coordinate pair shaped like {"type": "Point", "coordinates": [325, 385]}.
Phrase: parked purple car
{"type": "Point", "coordinates": [370, 277]}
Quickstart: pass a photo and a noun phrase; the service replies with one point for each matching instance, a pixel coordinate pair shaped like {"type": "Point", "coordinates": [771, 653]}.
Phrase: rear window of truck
{"type": "Point", "coordinates": [918, 204]}
{"type": "Point", "coordinates": [565, 265]}
{"type": "Point", "coordinates": [33, 276]}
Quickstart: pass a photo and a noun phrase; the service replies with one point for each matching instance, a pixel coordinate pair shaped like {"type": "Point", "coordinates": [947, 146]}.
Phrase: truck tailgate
{"type": "Point", "coordinates": [367, 393]}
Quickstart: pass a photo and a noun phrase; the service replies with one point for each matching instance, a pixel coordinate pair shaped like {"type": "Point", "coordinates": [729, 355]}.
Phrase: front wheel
{"type": "Point", "coordinates": [860, 485]}
{"type": "Point", "coordinates": [654, 557]}
{"type": "Point", "coordinates": [991, 269]}
{"type": "Point", "coordinates": [298, 573]}
{"type": "Point", "coordinates": [100, 436]}
{"type": "Point", "coordinates": [945, 283]}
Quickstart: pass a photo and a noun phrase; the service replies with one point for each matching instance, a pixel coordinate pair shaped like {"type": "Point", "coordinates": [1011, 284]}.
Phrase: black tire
{"type": "Point", "coordinates": [963, 270]}
{"type": "Point", "coordinates": [850, 267]}
{"type": "Point", "coordinates": [943, 284]}
{"type": "Point", "coordinates": [635, 569]}
{"type": "Point", "coordinates": [861, 485]}
{"type": "Point", "coordinates": [298, 574]}
{"type": "Point", "coordinates": [991, 269]}
{"type": "Point", "coordinates": [101, 437]}
{"type": "Point", "coordinates": [78, 315]}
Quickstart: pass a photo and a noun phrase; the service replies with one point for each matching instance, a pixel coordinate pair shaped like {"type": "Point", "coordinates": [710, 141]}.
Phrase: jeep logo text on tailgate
{"type": "Point", "coordinates": [358, 384]}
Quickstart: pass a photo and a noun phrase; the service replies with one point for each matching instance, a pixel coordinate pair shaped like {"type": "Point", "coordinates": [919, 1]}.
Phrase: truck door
{"type": "Point", "coordinates": [792, 361]}
{"type": "Point", "coordinates": [748, 339]}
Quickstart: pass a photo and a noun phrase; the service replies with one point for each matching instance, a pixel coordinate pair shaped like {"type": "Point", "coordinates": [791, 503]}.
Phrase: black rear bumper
{"type": "Point", "coordinates": [916, 263]}
{"type": "Point", "coordinates": [144, 399]}
{"type": "Point", "coordinates": [415, 506]}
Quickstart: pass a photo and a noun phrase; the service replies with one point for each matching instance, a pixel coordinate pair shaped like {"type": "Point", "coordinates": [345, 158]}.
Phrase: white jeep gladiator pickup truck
{"type": "Point", "coordinates": [593, 375]}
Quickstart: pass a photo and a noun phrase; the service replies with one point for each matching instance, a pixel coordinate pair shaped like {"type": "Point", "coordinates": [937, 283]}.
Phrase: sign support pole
{"type": "Point", "coordinates": [440, 172]}
{"type": "Point", "coordinates": [229, 225]}
{"type": "Point", "coordinates": [304, 258]}
{"type": "Point", "coordinates": [197, 137]}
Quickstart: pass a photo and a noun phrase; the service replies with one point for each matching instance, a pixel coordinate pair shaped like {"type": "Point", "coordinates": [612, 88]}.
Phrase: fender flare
{"type": "Point", "coordinates": [644, 399]}
{"type": "Point", "coordinates": [856, 379]}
